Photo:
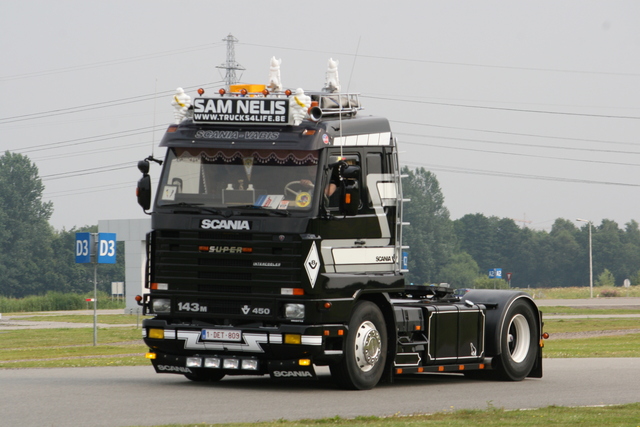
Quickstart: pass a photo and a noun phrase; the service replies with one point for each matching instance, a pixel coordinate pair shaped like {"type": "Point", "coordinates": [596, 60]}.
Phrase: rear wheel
{"type": "Point", "coordinates": [365, 350]}
{"type": "Point", "coordinates": [519, 342]}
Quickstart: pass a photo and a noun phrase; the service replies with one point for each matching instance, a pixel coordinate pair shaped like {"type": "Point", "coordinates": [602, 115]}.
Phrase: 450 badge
{"type": "Point", "coordinates": [260, 311]}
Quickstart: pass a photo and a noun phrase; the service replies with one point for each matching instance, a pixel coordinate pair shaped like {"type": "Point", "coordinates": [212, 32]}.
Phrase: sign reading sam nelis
{"type": "Point", "coordinates": [241, 110]}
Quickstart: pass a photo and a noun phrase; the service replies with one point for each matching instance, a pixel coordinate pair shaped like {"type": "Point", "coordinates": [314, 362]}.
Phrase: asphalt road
{"type": "Point", "coordinates": [126, 396]}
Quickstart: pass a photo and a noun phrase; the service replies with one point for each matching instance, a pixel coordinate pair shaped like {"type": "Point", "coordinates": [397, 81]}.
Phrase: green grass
{"type": "Point", "coordinates": [607, 346]}
{"type": "Point", "coordinates": [573, 310]}
{"type": "Point", "coordinates": [618, 415]}
{"type": "Point", "coordinates": [110, 319]}
{"type": "Point", "coordinates": [581, 292]}
{"type": "Point", "coordinates": [71, 347]}
{"type": "Point", "coordinates": [590, 324]}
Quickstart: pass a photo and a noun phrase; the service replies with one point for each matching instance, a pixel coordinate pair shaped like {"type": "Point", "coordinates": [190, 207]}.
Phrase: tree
{"type": "Point", "coordinates": [430, 235]}
{"type": "Point", "coordinates": [461, 271]}
{"type": "Point", "coordinates": [605, 279]}
{"type": "Point", "coordinates": [25, 234]}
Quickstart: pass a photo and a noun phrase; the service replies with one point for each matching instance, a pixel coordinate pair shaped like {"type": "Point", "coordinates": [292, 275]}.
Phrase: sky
{"type": "Point", "coordinates": [527, 110]}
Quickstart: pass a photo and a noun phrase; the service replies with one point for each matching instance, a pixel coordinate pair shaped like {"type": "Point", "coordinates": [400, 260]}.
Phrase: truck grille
{"type": "Point", "coordinates": [226, 262]}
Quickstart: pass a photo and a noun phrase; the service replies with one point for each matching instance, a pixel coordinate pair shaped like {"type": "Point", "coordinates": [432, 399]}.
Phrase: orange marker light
{"type": "Point", "coordinates": [340, 332]}
{"type": "Point", "coordinates": [222, 91]}
{"type": "Point", "coordinates": [200, 91]}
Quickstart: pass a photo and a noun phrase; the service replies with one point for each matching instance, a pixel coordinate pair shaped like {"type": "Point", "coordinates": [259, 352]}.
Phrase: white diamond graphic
{"type": "Point", "coordinates": [312, 264]}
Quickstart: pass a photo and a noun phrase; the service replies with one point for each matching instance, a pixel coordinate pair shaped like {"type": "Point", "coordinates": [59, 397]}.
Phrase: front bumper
{"type": "Point", "coordinates": [182, 348]}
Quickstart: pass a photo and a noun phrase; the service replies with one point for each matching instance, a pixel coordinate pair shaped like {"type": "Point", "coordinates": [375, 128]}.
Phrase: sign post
{"type": "Point", "coordinates": [97, 248]}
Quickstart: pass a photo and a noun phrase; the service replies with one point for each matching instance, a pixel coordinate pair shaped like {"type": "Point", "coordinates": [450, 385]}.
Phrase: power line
{"type": "Point", "coordinates": [93, 106]}
{"type": "Point", "coordinates": [516, 133]}
{"type": "Point", "coordinates": [465, 64]}
{"type": "Point", "coordinates": [71, 174]}
{"type": "Point", "coordinates": [518, 110]}
{"type": "Point", "coordinates": [453, 169]}
{"type": "Point", "coordinates": [110, 62]}
{"type": "Point", "coordinates": [593, 150]}
{"type": "Point", "coordinates": [519, 154]}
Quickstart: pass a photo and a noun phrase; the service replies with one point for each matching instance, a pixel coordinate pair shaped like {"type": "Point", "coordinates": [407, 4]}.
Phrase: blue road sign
{"type": "Point", "coordinates": [83, 247]}
{"type": "Point", "coordinates": [495, 273]}
{"type": "Point", "coordinates": [106, 248]}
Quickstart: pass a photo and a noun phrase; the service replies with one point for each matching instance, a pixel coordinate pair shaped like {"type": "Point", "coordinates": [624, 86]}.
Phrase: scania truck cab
{"type": "Point", "coordinates": [276, 247]}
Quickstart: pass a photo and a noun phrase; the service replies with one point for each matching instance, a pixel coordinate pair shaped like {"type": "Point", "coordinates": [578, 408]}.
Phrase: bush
{"type": "Point", "coordinates": [484, 282]}
{"type": "Point", "coordinates": [609, 293]}
{"type": "Point", "coordinates": [56, 301]}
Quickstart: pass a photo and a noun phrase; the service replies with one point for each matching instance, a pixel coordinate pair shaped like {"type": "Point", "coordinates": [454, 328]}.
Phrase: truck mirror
{"type": "Point", "coordinates": [350, 172]}
{"type": "Point", "coordinates": [143, 191]}
{"type": "Point", "coordinates": [143, 166]}
{"type": "Point", "coordinates": [349, 197]}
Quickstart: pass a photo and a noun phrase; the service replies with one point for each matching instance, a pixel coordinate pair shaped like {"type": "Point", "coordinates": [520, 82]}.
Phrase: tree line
{"type": "Point", "coordinates": [36, 259]}
{"type": "Point", "coordinates": [462, 251]}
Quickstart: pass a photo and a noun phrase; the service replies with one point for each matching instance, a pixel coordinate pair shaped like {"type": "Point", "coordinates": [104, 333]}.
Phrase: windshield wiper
{"type": "Point", "coordinates": [264, 211]}
{"type": "Point", "coordinates": [198, 206]}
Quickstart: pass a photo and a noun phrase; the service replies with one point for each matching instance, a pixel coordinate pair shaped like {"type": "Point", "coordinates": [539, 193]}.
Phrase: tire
{"type": "Point", "coordinates": [519, 341]}
{"type": "Point", "coordinates": [210, 376]}
{"type": "Point", "coordinates": [365, 351]}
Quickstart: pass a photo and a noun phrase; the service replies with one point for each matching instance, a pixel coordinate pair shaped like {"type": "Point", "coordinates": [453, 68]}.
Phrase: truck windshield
{"type": "Point", "coordinates": [213, 177]}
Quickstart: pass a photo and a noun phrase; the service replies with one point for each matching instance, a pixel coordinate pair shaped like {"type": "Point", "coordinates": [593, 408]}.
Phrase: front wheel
{"type": "Point", "coordinates": [519, 339]}
{"type": "Point", "coordinates": [365, 350]}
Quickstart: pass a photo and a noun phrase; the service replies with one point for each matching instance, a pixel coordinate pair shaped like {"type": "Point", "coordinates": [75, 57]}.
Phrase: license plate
{"type": "Point", "coordinates": [221, 335]}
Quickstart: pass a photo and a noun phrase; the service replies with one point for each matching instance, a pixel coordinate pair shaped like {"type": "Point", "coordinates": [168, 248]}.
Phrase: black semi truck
{"type": "Point", "coordinates": [276, 246]}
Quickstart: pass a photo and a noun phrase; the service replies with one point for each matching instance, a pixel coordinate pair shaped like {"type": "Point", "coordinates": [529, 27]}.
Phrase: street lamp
{"type": "Point", "coordinates": [590, 255]}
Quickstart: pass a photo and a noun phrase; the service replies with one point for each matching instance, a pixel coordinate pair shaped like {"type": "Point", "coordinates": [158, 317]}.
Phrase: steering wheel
{"type": "Point", "coordinates": [288, 188]}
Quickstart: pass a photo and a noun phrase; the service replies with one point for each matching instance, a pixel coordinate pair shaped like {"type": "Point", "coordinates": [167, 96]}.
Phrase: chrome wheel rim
{"type": "Point", "coordinates": [368, 346]}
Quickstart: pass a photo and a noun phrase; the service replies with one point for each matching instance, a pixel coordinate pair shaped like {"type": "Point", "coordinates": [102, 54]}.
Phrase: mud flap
{"type": "Point", "coordinates": [290, 369]}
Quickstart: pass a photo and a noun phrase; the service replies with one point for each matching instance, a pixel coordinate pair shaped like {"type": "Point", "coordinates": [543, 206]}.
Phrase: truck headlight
{"type": "Point", "coordinates": [161, 305]}
{"type": "Point", "coordinates": [294, 311]}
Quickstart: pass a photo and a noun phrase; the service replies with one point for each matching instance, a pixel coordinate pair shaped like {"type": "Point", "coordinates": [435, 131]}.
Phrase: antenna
{"type": "Point", "coordinates": [153, 129]}
{"type": "Point", "coordinates": [231, 66]}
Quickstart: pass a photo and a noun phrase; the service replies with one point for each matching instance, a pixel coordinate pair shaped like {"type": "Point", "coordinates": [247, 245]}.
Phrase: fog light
{"type": "Point", "coordinates": [150, 356]}
{"type": "Point", "coordinates": [231, 364]}
{"type": "Point", "coordinates": [157, 334]}
{"type": "Point", "coordinates": [304, 362]}
{"type": "Point", "coordinates": [294, 311]}
{"type": "Point", "coordinates": [194, 362]}
{"type": "Point", "coordinates": [292, 339]}
{"type": "Point", "coordinates": [212, 362]}
{"type": "Point", "coordinates": [251, 364]}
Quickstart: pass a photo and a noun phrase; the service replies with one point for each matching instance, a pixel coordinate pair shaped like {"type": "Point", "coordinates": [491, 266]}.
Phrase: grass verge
{"type": "Point", "coordinates": [618, 415]}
